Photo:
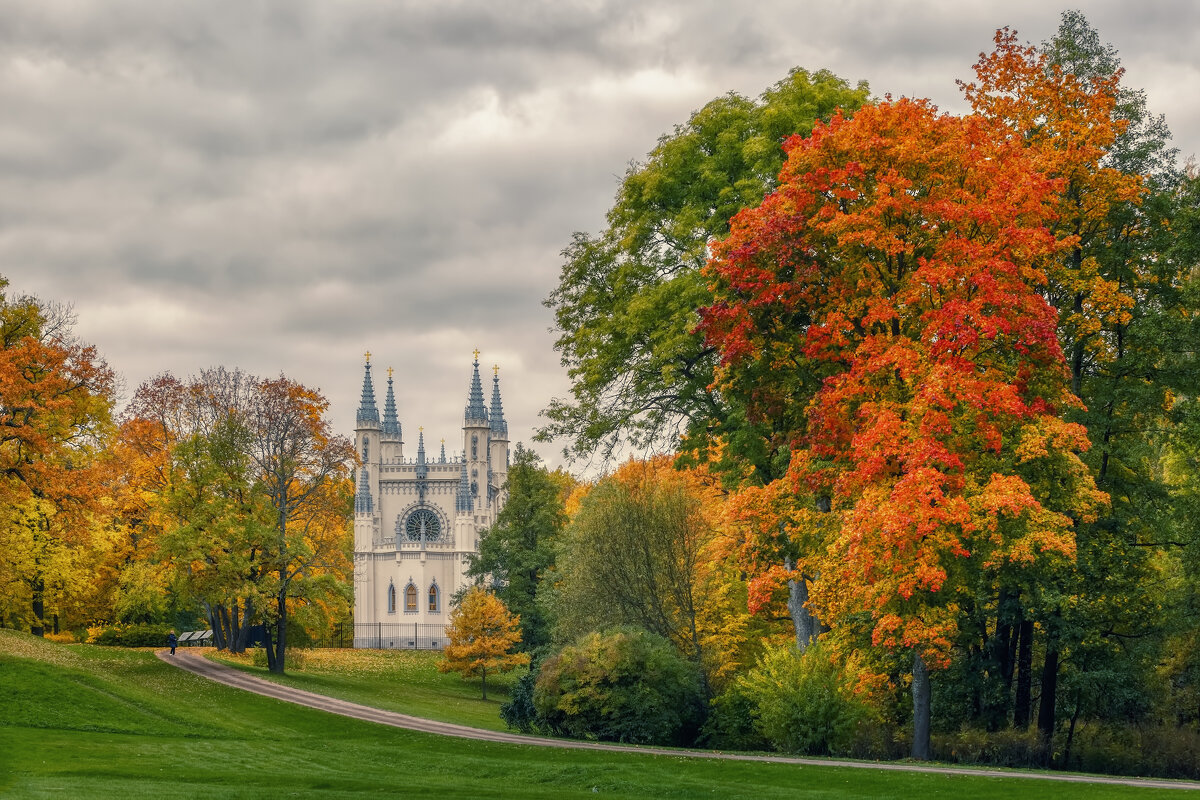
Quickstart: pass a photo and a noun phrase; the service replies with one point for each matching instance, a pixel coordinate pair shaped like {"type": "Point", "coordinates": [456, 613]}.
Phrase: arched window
{"type": "Point", "coordinates": [391, 598]}
{"type": "Point", "coordinates": [366, 448]}
{"type": "Point", "coordinates": [433, 597]}
{"type": "Point", "coordinates": [410, 599]}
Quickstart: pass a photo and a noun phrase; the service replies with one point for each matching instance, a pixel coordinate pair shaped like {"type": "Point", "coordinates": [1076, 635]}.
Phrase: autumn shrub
{"type": "Point", "coordinates": [730, 724]}
{"type": "Point", "coordinates": [141, 635]}
{"type": "Point", "coordinates": [1003, 748]}
{"type": "Point", "coordinates": [1162, 751]}
{"type": "Point", "coordinates": [622, 685]}
{"type": "Point", "coordinates": [804, 703]}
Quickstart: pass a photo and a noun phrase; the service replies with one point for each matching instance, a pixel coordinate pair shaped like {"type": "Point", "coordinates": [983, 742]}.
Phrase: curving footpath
{"type": "Point", "coordinates": [194, 662]}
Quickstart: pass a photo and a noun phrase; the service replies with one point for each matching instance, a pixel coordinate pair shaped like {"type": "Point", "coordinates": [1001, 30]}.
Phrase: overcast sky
{"type": "Point", "coordinates": [283, 185]}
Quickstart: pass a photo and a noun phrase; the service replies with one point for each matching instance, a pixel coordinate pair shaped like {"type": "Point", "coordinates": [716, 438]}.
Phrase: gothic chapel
{"type": "Point", "coordinates": [418, 517]}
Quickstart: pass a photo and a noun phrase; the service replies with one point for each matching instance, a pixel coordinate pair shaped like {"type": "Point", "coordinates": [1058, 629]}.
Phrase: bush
{"type": "Point", "coordinates": [623, 685]}
{"type": "Point", "coordinates": [133, 636]}
{"type": "Point", "coordinates": [519, 712]}
{"type": "Point", "coordinates": [803, 703]}
{"type": "Point", "coordinates": [730, 724]}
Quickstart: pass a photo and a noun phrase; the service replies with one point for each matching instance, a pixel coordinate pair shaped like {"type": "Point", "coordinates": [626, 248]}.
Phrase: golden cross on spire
{"type": "Point", "coordinates": [476, 353]}
{"type": "Point", "coordinates": [443, 440]}
{"type": "Point", "coordinates": [495, 369]}
{"type": "Point", "coordinates": [367, 355]}
{"type": "Point", "coordinates": [421, 429]}
{"type": "Point", "coordinates": [389, 372]}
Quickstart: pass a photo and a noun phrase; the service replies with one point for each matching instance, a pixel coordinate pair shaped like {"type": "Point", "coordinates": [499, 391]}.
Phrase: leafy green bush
{"type": "Point", "coordinates": [519, 713]}
{"type": "Point", "coordinates": [803, 703]}
{"type": "Point", "coordinates": [133, 636]}
{"type": "Point", "coordinates": [730, 724]}
{"type": "Point", "coordinates": [1003, 748]}
{"type": "Point", "coordinates": [623, 685]}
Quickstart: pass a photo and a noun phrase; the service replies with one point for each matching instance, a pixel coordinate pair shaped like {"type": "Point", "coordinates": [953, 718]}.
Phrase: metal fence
{"type": "Point", "coordinates": [400, 636]}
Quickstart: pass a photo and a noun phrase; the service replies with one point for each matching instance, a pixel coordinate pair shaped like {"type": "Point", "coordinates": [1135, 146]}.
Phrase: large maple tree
{"type": "Point", "coordinates": [885, 300]}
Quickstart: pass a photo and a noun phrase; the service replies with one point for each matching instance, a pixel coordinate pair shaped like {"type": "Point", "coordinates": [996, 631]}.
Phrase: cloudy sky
{"type": "Point", "coordinates": [282, 185]}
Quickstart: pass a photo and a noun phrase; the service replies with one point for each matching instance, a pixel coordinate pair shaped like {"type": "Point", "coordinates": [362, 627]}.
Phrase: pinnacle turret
{"type": "Point", "coordinates": [422, 467]}
{"type": "Point", "coordinates": [499, 425]}
{"type": "Point", "coordinates": [463, 501]}
{"type": "Point", "coordinates": [391, 422]}
{"type": "Point", "coordinates": [362, 498]}
{"type": "Point", "coordinates": [442, 457]}
{"type": "Point", "coordinates": [368, 414]}
{"type": "Point", "coordinates": [475, 410]}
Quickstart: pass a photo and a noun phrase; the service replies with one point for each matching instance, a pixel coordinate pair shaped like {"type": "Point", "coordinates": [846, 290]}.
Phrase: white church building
{"type": "Point", "coordinates": [418, 516]}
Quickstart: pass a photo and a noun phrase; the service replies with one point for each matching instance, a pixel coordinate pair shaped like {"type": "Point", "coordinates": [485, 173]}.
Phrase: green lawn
{"type": "Point", "coordinates": [85, 721]}
{"type": "Point", "coordinates": [397, 680]}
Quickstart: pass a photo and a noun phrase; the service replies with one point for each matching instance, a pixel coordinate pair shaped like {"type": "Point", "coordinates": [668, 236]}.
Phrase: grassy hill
{"type": "Point", "coordinates": [85, 721]}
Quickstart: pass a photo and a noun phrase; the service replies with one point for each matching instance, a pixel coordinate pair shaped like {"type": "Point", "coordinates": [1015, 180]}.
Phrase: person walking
{"type": "Point", "coordinates": [172, 640]}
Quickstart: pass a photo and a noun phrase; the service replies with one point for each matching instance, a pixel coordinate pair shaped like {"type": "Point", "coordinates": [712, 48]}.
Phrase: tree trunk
{"type": "Point", "coordinates": [1066, 759]}
{"type": "Point", "coordinates": [214, 624]}
{"type": "Point", "coordinates": [1046, 707]}
{"type": "Point", "coordinates": [485, 683]}
{"type": "Point", "coordinates": [1024, 701]}
{"type": "Point", "coordinates": [38, 606]}
{"type": "Point", "coordinates": [921, 716]}
{"type": "Point", "coordinates": [280, 637]}
{"type": "Point", "coordinates": [805, 625]}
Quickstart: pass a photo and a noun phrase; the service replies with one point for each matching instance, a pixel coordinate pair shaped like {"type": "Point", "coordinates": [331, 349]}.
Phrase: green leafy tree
{"type": "Point", "coordinates": [519, 548]}
{"type": "Point", "coordinates": [626, 304]}
{"type": "Point", "coordinates": [639, 551]}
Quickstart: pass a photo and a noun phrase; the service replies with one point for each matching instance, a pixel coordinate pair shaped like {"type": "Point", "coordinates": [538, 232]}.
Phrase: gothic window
{"type": "Point", "coordinates": [474, 446]}
{"type": "Point", "coordinates": [410, 599]}
{"type": "Point", "coordinates": [366, 448]}
{"type": "Point", "coordinates": [391, 598]}
{"type": "Point", "coordinates": [423, 526]}
{"type": "Point", "coordinates": [433, 597]}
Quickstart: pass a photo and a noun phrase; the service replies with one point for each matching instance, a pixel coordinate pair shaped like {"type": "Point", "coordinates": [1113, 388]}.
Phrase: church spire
{"type": "Point", "coordinates": [475, 411]}
{"type": "Point", "coordinates": [362, 498]}
{"type": "Point", "coordinates": [442, 457]}
{"type": "Point", "coordinates": [422, 468]}
{"type": "Point", "coordinates": [463, 501]}
{"type": "Point", "coordinates": [391, 423]}
{"type": "Point", "coordinates": [499, 426]}
{"type": "Point", "coordinates": [367, 412]}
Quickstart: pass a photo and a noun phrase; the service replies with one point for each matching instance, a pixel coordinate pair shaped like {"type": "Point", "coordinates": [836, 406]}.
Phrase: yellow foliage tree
{"type": "Point", "coordinates": [482, 635]}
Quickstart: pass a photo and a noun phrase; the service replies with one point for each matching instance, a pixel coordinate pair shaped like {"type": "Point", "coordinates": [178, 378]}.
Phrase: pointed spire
{"type": "Point", "coordinates": [442, 457]}
{"type": "Point", "coordinates": [499, 426]}
{"type": "Point", "coordinates": [475, 411]}
{"type": "Point", "coordinates": [391, 423]}
{"type": "Point", "coordinates": [367, 412]}
{"type": "Point", "coordinates": [463, 501]}
{"type": "Point", "coordinates": [422, 469]}
{"type": "Point", "coordinates": [362, 498]}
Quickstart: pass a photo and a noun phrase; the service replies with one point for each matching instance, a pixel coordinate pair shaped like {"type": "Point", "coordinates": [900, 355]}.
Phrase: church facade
{"type": "Point", "coordinates": [418, 515]}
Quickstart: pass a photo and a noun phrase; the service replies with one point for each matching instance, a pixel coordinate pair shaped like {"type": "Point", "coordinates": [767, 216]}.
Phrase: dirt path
{"type": "Point", "coordinates": [195, 662]}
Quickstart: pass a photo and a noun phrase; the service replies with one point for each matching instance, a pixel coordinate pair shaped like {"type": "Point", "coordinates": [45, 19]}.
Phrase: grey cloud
{"type": "Point", "coordinates": [282, 185]}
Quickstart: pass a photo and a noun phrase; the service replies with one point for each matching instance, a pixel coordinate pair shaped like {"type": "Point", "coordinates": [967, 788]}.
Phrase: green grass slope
{"type": "Point", "coordinates": [406, 681]}
{"type": "Point", "coordinates": [83, 721]}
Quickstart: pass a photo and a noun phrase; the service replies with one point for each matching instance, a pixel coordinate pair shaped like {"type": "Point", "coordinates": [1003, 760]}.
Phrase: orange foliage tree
{"type": "Point", "coordinates": [482, 636]}
{"type": "Point", "coordinates": [55, 406]}
{"type": "Point", "coordinates": [890, 289]}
